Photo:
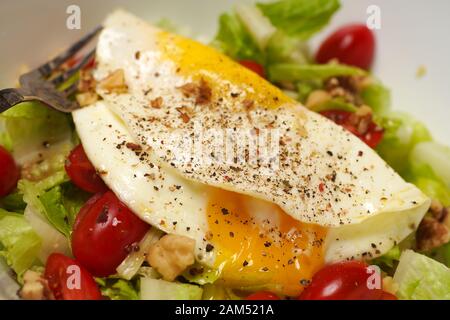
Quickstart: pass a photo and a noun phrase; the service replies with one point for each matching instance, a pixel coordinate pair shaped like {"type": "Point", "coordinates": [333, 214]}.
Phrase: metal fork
{"type": "Point", "coordinates": [38, 85]}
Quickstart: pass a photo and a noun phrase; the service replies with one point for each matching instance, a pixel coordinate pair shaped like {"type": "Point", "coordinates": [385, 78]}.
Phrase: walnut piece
{"type": "Point", "coordinates": [35, 287]}
{"type": "Point", "coordinates": [434, 229]}
{"type": "Point", "coordinates": [114, 82]}
{"type": "Point", "coordinates": [171, 255]}
{"type": "Point", "coordinates": [86, 98]}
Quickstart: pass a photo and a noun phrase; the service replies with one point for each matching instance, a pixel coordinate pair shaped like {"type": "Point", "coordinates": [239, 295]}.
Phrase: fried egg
{"type": "Point", "coordinates": [202, 147]}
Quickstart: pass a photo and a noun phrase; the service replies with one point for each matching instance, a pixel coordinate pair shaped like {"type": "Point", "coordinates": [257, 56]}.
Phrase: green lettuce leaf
{"type": "Point", "coordinates": [19, 244]}
{"type": "Point", "coordinates": [119, 289]}
{"type": "Point", "coordinates": [300, 18]}
{"type": "Point", "coordinates": [378, 97]}
{"type": "Point", "coordinates": [298, 72]}
{"type": "Point", "coordinates": [234, 40]}
{"type": "Point", "coordinates": [157, 289]}
{"type": "Point", "coordinates": [423, 176]}
{"type": "Point", "coordinates": [13, 202]}
{"type": "Point", "coordinates": [402, 133]}
{"type": "Point", "coordinates": [285, 49]}
{"type": "Point", "coordinates": [28, 126]}
{"type": "Point", "coordinates": [59, 201]}
{"type": "Point", "coordinates": [421, 278]}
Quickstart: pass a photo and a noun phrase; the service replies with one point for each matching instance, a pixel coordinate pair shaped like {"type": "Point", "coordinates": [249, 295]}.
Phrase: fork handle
{"type": "Point", "coordinates": [10, 97]}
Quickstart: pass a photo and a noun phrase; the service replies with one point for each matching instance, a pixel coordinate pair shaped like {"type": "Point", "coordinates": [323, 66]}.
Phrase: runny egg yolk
{"type": "Point", "coordinates": [260, 251]}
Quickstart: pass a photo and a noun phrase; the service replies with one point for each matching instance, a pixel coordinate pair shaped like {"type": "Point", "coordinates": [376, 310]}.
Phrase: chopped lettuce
{"type": "Point", "coordinates": [285, 49]}
{"type": "Point", "coordinates": [423, 176]}
{"type": "Point", "coordinates": [421, 278]}
{"type": "Point", "coordinates": [257, 25]}
{"type": "Point", "coordinates": [401, 134]}
{"type": "Point", "coordinates": [234, 40]}
{"type": "Point", "coordinates": [377, 96]}
{"type": "Point", "coordinates": [297, 72]}
{"type": "Point", "coordinates": [300, 18]}
{"type": "Point", "coordinates": [58, 203]}
{"type": "Point", "coordinates": [388, 259]}
{"type": "Point", "coordinates": [28, 126]}
{"type": "Point", "coordinates": [13, 202]}
{"type": "Point", "coordinates": [19, 244]}
{"type": "Point", "coordinates": [156, 289]}
{"type": "Point", "coordinates": [335, 104]}
{"type": "Point", "coordinates": [119, 289]}
{"type": "Point", "coordinates": [435, 155]}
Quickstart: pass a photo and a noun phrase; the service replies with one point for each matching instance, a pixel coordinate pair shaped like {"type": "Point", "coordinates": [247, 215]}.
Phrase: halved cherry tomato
{"type": "Point", "coordinates": [373, 135]}
{"type": "Point", "coordinates": [104, 232]}
{"type": "Point", "coordinates": [343, 281]}
{"type": "Point", "coordinates": [82, 172]}
{"type": "Point", "coordinates": [352, 44]}
{"type": "Point", "coordinates": [254, 66]}
{"type": "Point", "coordinates": [9, 172]}
{"type": "Point", "coordinates": [68, 280]}
{"type": "Point", "coordinates": [263, 295]}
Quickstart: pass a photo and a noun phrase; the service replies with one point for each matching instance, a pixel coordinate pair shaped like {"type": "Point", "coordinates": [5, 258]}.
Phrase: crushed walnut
{"type": "Point", "coordinates": [35, 287]}
{"type": "Point", "coordinates": [86, 88]}
{"type": "Point", "coordinates": [171, 255]}
{"type": "Point", "coordinates": [114, 82]}
{"type": "Point", "coordinates": [434, 229]}
{"type": "Point", "coordinates": [201, 91]}
{"type": "Point", "coordinates": [157, 103]}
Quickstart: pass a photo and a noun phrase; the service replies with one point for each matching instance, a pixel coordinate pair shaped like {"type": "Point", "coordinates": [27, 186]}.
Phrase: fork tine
{"type": "Point", "coordinates": [71, 89]}
{"type": "Point", "coordinates": [60, 79]}
{"type": "Point", "coordinates": [46, 69]}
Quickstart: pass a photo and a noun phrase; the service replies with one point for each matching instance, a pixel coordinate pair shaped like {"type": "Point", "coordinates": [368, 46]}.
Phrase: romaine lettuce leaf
{"type": "Point", "coordinates": [13, 202]}
{"type": "Point", "coordinates": [300, 18]}
{"type": "Point", "coordinates": [401, 134]}
{"type": "Point", "coordinates": [234, 40]}
{"type": "Point", "coordinates": [421, 278]}
{"type": "Point", "coordinates": [423, 176]}
{"type": "Point", "coordinates": [298, 72]}
{"type": "Point", "coordinates": [26, 127]}
{"type": "Point", "coordinates": [119, 289]}
{"type": "Point", "coordinates": [156, 289]}
{"type": "Point", "coordinates": [378, 97]}
{"type": "Point", "coordinates": [58, 203]}
{"type": "Point", "coordinates": [19, 244]}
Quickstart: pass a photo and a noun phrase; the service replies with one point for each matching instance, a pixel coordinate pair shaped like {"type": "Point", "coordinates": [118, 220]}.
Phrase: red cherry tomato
{"type": "Point", "coordinates": [352, 44]}
{"type": "Point", "coordinates": [372, 137]}
{"type": "Point", "coordinates": [82, 172]}
{"type": "Point", "coordinates": [103, 233]}
{"type": "Point", "coordinates": [263, 295]}
{"type": "Point", "coordinates": [68, 280]}
{"type": "Point", "coordinates": [254, 66]}
{"type": "Point", "coordinates": [343, 281]}
{"type": "Point", "coordinates": [9, 172]}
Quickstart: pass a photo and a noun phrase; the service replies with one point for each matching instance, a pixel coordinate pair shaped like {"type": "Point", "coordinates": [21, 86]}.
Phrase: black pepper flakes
{"type": "Point", "coordinates": [209, 247]}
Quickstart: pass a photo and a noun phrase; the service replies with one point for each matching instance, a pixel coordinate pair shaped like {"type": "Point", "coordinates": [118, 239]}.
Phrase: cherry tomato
{"type": "Point", "coordinates": [68, 280]}
{"type": "Point", "coordinates": [82, 172]}
{"type": "Point", "coordinates": [372, 137]}
{"type": "Point", "coordinates": [104, 232]}
{"type": "Point", "coordinates": [343, 281]}
{"type": "Point", "coordinates": [254, 66]}
{"type": "Point", "coordinates": [352, 44]}
{"type": "Point", "coordinates": [263, 295]}
{"type": "Point", "coordinates": [9, 172]}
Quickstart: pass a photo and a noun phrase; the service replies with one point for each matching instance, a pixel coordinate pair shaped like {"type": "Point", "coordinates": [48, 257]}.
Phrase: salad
{"type": "Point", "coordinates": [138, 194]}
